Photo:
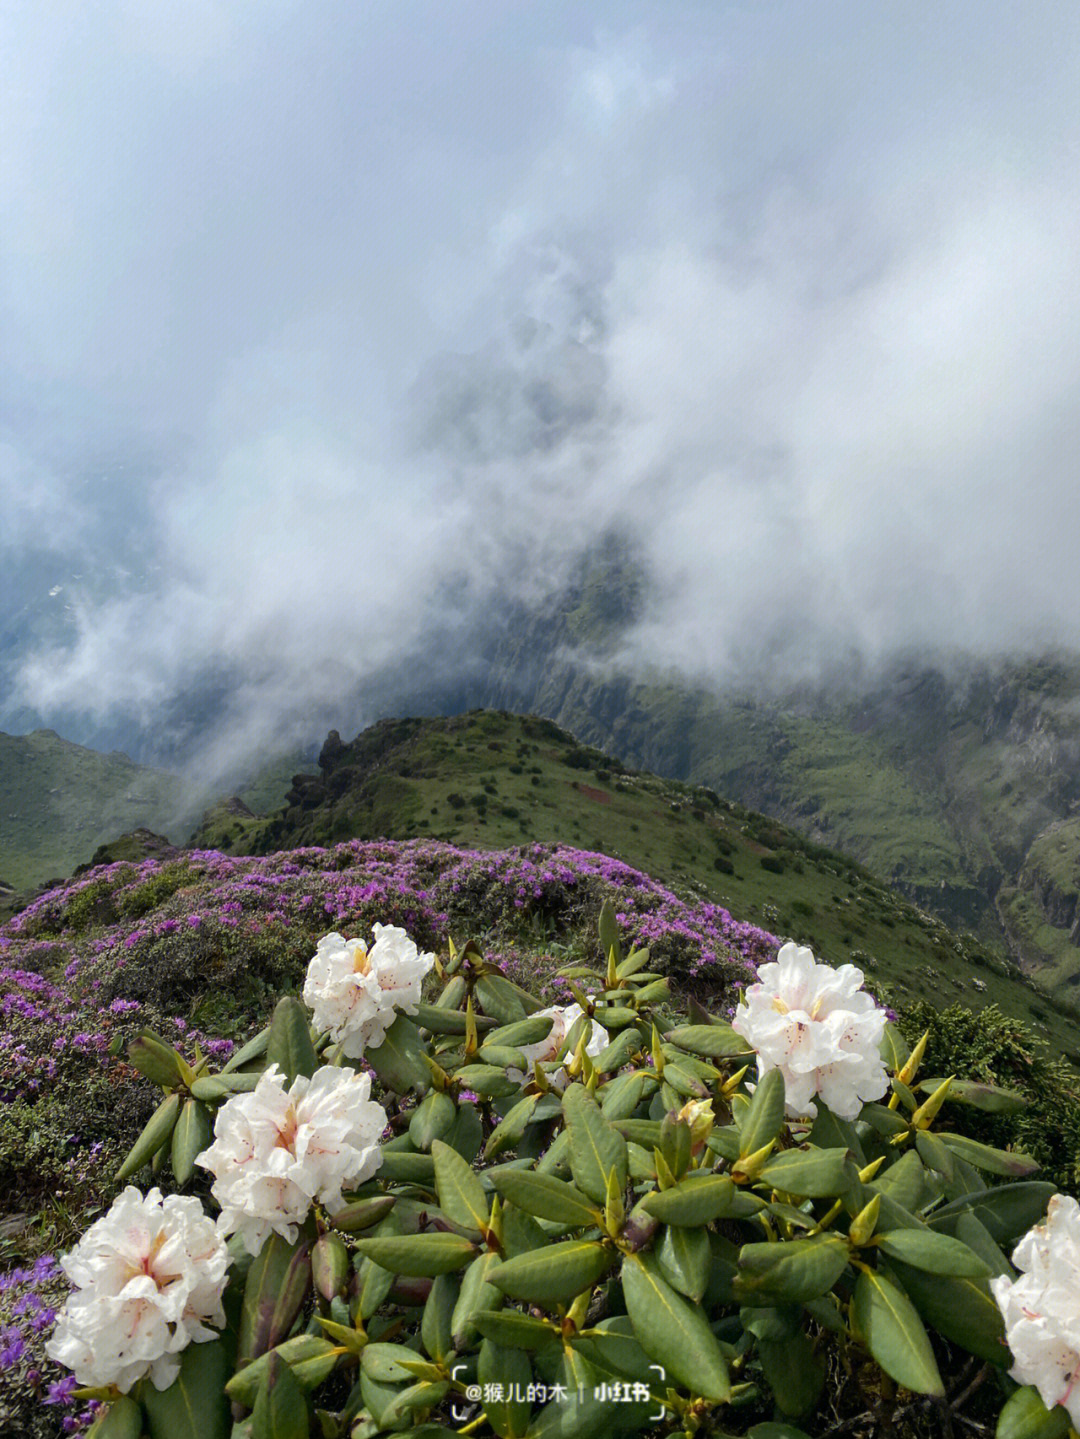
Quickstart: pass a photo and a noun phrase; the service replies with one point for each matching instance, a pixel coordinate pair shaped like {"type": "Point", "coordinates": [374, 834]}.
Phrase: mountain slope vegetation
{"type": "Point", "coordinates": [492, 780]}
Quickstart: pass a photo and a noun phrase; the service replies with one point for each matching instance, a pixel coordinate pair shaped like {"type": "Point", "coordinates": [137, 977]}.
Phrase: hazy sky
{"type": "Point", "coordinates": [324, 323]}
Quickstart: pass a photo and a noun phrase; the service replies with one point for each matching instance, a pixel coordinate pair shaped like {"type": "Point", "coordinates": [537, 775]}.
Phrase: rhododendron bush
{"type": "Point", "coordinates": [439, 1205]}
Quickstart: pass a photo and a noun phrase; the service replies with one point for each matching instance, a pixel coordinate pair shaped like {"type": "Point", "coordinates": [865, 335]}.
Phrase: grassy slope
{"type": "Point", "coordinates": [59, 801]}
{"type": "Point", "coordinates": [491, 780]}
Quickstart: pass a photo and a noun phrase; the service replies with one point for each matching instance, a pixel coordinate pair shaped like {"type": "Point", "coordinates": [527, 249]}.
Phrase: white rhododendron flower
{"type": "Point", "coordinates": [356, 992]}
{"type": "Point", "coordinates": [149, 1277]}
{"type": "Point", "coordinates": [564, 1016]}
{"type": "Point", "coordinates": [1041, 1308]}
{"type": "Point", "coordinates": [819, 1028]}
{"type": "Point", "coordinates": [277, 1151]}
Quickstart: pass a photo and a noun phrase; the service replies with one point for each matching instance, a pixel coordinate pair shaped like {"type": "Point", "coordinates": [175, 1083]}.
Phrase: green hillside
{"type": "Point", "coordinates": [943, 782]}
{"type": "Point", "coordinates": [492, 780]}
{"type": "Point", "coordinates": [59, 801]}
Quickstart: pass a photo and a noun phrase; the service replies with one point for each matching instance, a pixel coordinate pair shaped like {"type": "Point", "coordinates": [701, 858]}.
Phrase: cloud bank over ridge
{"type": "Point", "coordinates": [328, 331]}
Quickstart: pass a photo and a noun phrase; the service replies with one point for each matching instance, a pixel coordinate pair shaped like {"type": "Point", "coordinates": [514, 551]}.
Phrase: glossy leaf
{"type": "Point", "coordinates": [711, 1041]}
{"type": "Point", "coordinates": [122, 1419]}
{"type": "Point", "coordinates": [213, 1088]}
{"type": "Point", "coordinates": [399, 1059]}
{"type": "Point", "coordinates": [1025, 1416]}
{"type": "Point", "coordinates": [889, 1324]}
{"type": "Point", "coordinates": [553, 1275]}
{"type": "Point", "coordinates": [363, 1213]}
{"type": "Point", "coordinates": [461, 1194]}
{"type": "Point", "coordinates": [419, 1254]}
{"type": "Point", "coordinates": [595, 1147]}
{"type": "Point", "coordinates": [810, 1173]}
{"type": "Point", "coordinates": [436, 1325]}
{"type": "Point", "coordinates": [249, 1052]}
{"type": "Point", "coordinates": [764, 1119]}
{"type": "Point", "coordinates": [993, 1161]}
{"type": "Point", "coordinates": [795, 1270]}
{"type": "Point", "coordinates": [963, 1310]}
{"type": "Point", "coordinates": [512, 1126]}
{"type": "Point", "coordinates": [158, 1061]}
{"type": "Point", "coordinates": [546, 1197]}
{"type": "Point", "coordinates": [793, 1371]}
{"type": "Point", "coordinates": [478, 1295]}
{"type": "Point", "coordinates": [1008, 1210]}
{"type": "Point", "coordinates": [191, 1134]}
{"type": "Point", "coordinates": [276, 1287]}
{"type": "Point", "coordinates": [156, 1134]}
{"type": "Point", "coordinates": [290, 1046]}
{"type": "Point", "coordinates": [194, 1405]}
{"type": "Point", "coordinates": [510, 1368]}
{"type": "Point", "coordinates": [937, 1253]}
{"type": "Point", "coordinates": [987, 1097]}
{"type": "Point", "coordinates": [280, 1410]}
{"type": "Point", "coordinates": [514, 1330]}
{"type": "Point", "coordinates": [330, 1265]}
{"type": "Point", "coordinates": [684, 1257]}
{"type": "Point", "coordinates": [673, 1332]}
{"type": "Point", "coordinates": [693, 1201]}
{"type": "Point", "coordinates": [301, 1350]}
{"type": "Point", "coordinates": [430, 1120]}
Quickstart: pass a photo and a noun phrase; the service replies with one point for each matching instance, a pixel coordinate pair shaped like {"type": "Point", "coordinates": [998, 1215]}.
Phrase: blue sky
{"type": "Point", "coordinates": [312, 315]}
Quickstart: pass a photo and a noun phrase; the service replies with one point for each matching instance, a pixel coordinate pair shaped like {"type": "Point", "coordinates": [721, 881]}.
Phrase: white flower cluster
{"type": "Point", "coordinates": [276, 1151]}
{"type": "Point", "coordinates": [565, 1016]}
{"type": "Point", "coordinates": [1041, 1308]}
{"type": "Point", "coordinates": [356, 992]}
{"type": "Point", "coordinates": [149, 1276]}
{"type": "Point", "coordinates": [819, 1028]}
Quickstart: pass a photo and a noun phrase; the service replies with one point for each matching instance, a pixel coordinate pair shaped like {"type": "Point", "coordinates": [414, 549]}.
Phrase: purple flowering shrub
{"type": "Point", "coordinates": [204, 946]}
{"type": "Point", "coordinates": [35, 1396]}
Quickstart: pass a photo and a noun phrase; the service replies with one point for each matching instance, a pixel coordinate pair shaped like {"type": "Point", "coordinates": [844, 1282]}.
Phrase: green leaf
{"type": "Point", "coordinates": [430, 1120]}
{"type": "Point", "coordinates": [419, 1254]}
{"type": "Point", "coordinates": [191, 1135]}
{"type": "Point", "coordinates": [363, 1213]}
{"type": "Point", "coordinates": [301, 1350]}
{"type": "Point", "coordinates": [1007, 1211]}
{"type": "Point", "coordinates": [509, 1417]}
{"type": "Point", "coordinates": [711, 1041]}
{"type": "Point", "coordinates": [620, 1097]}
{"type": "Point", "coordinates": [280, 1410]}
{"type": "Point", "coordinates": [773, 1430]}
{"type": "Point", "coordinates": [373, 1284]}
{"type": "Point", "coordinates": [212, 1088]}
{"type": "Point", "coordinates": [466, 1134]}
{"type": "Point", "coordinates": [619, 1052]}
{"type": "Point", "coordinates": [330, 1266]}
{"type": "Point", "coordinates": [894, 1048]}
{"type": "Point", "coordinates": [289, 1045]}
{"type": "Point", "coordinates": [502, 1056]}
{"type": "Point", "coordinates": [478, 1295]}
{"type": "Point", "coordinates": [155, 1136]}
{"type": "Point", "coordinates": [515, 1331]}
{"type": "Point", "coordinates": [499, 999]}
{"type": "Point", "coordinates": [684, 1258]}
{"type": "Point", "coordinates": [1025, 1416]}
{"type": "Point", "coordinates": [810, 1172]}
{"type": "Point", "coordinates": [993, 1161]}
{"type": "Point", "coordinates": [595, 1147]}
{"type": "Point", "coordinates": [522, 1031]}
{"type": "Point", "coordinates": [545, 1197]}
{"type": "Point", "coordinates": [904, 1181]}
{"type": "Point", "coordinates": [963, 1310]}
{"type": "Point", "coordinates": [276, 1287]}
{"type": "Point", "coordinates": [793, 1371]}
{"type": "Point", "coordinates": [381, 1362]}
{"type": "Point", "coordinates": [194, 1405]}
{"type": "Point", "coordinates": [488, 1080]}
{"type": "Point", "coordinates": [247, 1053]}
{"type": "Point", "coordinates": [609, 933]}
{"type": "Point", "coordinates": [795, 1270]}
{"type": "Point", "coordinates": [121, 1420]}
{"type": "Point", "coordinates": [399, 1059]}
{"type": "Point", "coordinates": [693, 1201]}
{"type": "Point", "coordinates": [987, 1097]}
{"type": "Point", "coordinates": [938, 1253]}
{"type": "Point", "coordinates": [613, 1348]}
{"type": "Point", "coordinates": [553, 1275]}
{"type": "Point", "coordinates": [672, 1332]}
{"type": "Point", "coordinates": [830, 1132]}
{"type": "Point", "coordinates": [158, 1061]}
{"type": "Point", "coordinates": [512, 1126]}
{"type": "Point", "coordinates": [461, 1194]}
{"type": "Point", "coordinates": [638, 959]}
{"type": "Point", "coordinates": [436, 1326]}
{"type": "Point", "coordinates": [764, 1118]}
{"type": "Point", "coordinates": [406, 1166]}
{"type": "Point", "coordinates": [441, 1020]}
{"type": "Point", "coordinates": [888, 1322]}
